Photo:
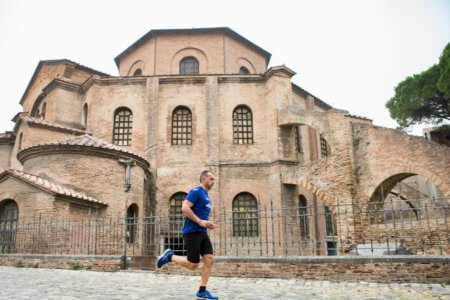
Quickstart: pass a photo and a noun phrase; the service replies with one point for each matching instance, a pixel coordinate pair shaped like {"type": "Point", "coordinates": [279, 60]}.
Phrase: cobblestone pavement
{"type": "Point", "coordinates": [26, 283]}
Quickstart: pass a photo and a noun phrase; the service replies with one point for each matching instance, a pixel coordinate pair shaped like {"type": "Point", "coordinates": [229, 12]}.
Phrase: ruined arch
{"type": "Point", "coordinates": [391, 176]}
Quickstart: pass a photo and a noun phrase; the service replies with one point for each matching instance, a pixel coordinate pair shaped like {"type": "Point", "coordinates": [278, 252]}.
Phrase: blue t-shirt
{"type": "Point", "coordinates": [201, 208]}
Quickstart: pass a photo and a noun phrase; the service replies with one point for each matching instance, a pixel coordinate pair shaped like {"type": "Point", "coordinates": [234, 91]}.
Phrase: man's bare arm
{"type": "Point", "coordinates": [186, 208]}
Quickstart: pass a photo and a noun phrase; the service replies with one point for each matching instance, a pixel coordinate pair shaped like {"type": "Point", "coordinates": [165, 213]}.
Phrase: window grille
{"type": "Point", "coordinates": [182, 126]}
{"type": "Point", "coordinates": [176, 216]}
{"type": "Point", "coordinates": [303, 217]}
{"type": "Point", "coordinates": [323, 146]}
{"type": "Point", "coordinates": [242, 125]}
{"type": "Point", "coordinates": [132, 221]}
{"type": "Point", "coordinates": [9, 213]}
{"type": "Point", "coordinates": [123, 125]}
{"type": "Point", "coordinates": [245, 216]}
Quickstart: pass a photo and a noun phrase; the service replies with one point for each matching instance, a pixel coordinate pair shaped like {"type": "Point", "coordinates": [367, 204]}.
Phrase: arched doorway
{"type": "Point", "coordinates": [9, 214]}
{"type": "Point", "coordinates": [132, 222]}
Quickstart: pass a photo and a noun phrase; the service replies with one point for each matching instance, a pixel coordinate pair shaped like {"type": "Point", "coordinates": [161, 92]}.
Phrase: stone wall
{"type": "Point", "coordinates": [400, 269]}
{"type": "Point", "coordinates": [74, 262]}
{"type": "Point", "coordinates": [375, 269]}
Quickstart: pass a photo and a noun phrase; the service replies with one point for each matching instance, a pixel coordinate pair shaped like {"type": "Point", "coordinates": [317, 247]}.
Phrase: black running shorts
{"type": "Point", "coordinates": [197, 243]}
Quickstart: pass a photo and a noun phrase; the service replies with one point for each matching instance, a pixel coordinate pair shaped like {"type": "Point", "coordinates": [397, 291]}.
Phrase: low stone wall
{"type": "Point", "coordinates": [75, 262]}
{"type": "Point", "coordinates": [382, 269]}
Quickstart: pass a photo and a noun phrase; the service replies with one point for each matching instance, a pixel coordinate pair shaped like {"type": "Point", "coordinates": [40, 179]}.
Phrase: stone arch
{"type": "Point", "coordinates": [139, 64]}
{"type": "Point", "coordinates": [189, 51]}
{"type": "Point", "coordinates": [401, 173]}
{"type": "Point", "coordinates": [320, 194]}
{"type": "Point", "coordinates": [243, 62]}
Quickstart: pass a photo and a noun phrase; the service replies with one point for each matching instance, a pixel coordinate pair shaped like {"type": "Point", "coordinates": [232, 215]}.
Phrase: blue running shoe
{"type": "Point", "coordinates": [205, 295]}
{"type": "Point", "coordinates": [164, 258]}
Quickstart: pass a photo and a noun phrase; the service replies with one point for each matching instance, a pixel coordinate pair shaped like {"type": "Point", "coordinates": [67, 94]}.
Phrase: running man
{"type": "Point", "coordinates": [196, 207]}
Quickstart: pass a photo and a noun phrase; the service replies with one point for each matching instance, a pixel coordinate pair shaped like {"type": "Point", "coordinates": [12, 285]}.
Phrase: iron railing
{"type": "Point", "coordinates": [376, 228]}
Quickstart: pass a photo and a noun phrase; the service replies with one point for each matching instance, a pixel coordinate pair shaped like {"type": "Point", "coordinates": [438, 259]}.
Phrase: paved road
{"type": "Point", "coordinates": [26, 283]}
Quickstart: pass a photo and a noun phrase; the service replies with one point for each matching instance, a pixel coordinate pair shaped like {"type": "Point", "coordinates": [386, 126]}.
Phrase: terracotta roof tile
{"type": "Point", "coordinates": [46, 123]}
{"type": "Point", "coordinates": [51, 186]}
{"type": "Point", "coordinates": [89, 141]}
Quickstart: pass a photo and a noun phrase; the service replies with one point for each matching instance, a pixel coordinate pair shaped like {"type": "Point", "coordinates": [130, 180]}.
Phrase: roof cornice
{"type": "Point", "coordinates": [224, 30]}
{"type": "Point", "coordinates": [55, 62]}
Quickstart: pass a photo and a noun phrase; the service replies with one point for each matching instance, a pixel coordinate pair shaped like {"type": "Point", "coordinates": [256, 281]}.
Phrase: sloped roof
{"type": "Point", "coordinates": [45, 123]}
{"type": "Point", "coordinates": [50, 187]}
{"type": "Point", "coordinates": [225, 30]}
{"type": "Point", "coordinates": [56, 61]}
{"type": "Point", "coordinates": [92, 142]}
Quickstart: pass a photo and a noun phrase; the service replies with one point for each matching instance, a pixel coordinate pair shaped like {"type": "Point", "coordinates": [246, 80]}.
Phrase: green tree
{"type": "Point", "coordinates": [424, 97]}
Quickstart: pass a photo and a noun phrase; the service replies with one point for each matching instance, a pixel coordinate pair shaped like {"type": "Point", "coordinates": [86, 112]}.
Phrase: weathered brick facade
{"type": "Point", "coordinates": [64, 101]}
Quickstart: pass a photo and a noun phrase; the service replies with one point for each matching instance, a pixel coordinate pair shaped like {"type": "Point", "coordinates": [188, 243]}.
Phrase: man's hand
{"type": "Point", "coordinates": [207, 224]}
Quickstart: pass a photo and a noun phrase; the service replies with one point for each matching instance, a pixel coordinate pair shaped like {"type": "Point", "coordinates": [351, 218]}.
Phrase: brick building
{"type": "Point", "coordinates": [186, 100]}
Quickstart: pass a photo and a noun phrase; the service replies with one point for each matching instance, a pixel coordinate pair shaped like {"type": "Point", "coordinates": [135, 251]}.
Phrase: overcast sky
{"type": "Point", "coordinates": [351, 54]}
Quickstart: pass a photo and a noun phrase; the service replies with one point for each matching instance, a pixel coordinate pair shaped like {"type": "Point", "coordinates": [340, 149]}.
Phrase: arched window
{"type": "Point", "coordinates": [132, 223]}
{"type": "Point", "coordinates": [303, 217]}
{"type": "Point", "coordinates": [244, 70]}
{"type": "Point", "coordinates": [175, 214]}
{"type": "Point", "coordinates": [84, 115]}
{"type": "Point", "coordinates": [19, 146]}
{"type": "Point", "coordinates": [137, 72]}
{"type": "Point", "coordinates": [298, 138]}
{"type": "Point", "coordinates": [323, 146]}
{"type": "Point", "coordinates": [242, 125]}
{"type": "Point", "coordinates": [329, 225]}
{"type": "Point", "coordinates": [44, 109]}
{"type": "Point", "coordinates": [182, 126]}
{"type": "Point", "coordinates": [123, 125]}
{"type": "Point", "coordinates": [189, 66]}
{"type": "Point", "coordinates": [9, 214]}
{"type": "Point", "coordinates": [245, 215]}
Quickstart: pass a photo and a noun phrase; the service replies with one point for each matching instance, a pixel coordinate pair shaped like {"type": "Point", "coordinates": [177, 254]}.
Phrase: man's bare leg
{"type": "Point", "coordinates": [208, 261]}
{"type": "Point", "coordinates": [182, 261]}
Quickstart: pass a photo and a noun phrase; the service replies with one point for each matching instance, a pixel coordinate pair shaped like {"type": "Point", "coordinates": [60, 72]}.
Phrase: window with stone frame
{"type": "Point", "coordinates": [123, 125]}
{"type": "Point", "coordinates": [132, 223]}
{"type": "Point", "coordinates": [242, 125]}
{"type": "Point", "coordinates": [323, 146]}
{"type": "Point", "coordinates": [9, 214]}
{"type": "Point", "coordinates": [243, 70]}
{"type": "Point", "coordinates": [175, 214]}
{"type": "Point", "coordinates": [245, 216]}
{"type": "Point", "coordinates": [189, 66]}
{"type": "Point", "coordinates": [298, 139]}
{"type": "Point", "coordinates": [182, 126]}
{"type": "Point", "coordinates": [137, 72]}
{"type": "Point", "coordinates": [44, 110]}
{"type": "Point", "coordinates": [329, 224]}
{"type": "Point", "coordinates": [303, 217]}
{"type": "Point", "coordinates": [84, 115]}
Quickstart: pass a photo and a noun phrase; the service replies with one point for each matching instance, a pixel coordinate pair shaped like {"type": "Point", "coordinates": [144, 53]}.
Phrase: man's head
{"type": "Point", "coordinates": [207, 179]}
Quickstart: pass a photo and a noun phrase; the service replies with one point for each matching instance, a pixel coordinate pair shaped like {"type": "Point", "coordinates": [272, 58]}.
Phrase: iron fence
{"type": "Point", "coordinates": [374, 228]}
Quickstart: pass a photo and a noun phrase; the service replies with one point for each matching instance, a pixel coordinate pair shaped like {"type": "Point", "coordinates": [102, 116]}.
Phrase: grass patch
{"type": "Point", "coordinates": [19, 264]}
{"type": "Point", "coordinates": [75, 266]}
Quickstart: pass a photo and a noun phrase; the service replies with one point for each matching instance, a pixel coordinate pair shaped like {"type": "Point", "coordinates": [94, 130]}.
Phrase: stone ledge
{"type": "Point", "coordinates": [339, 259]}
{"type": "Point", "coordinates": [61, 257]}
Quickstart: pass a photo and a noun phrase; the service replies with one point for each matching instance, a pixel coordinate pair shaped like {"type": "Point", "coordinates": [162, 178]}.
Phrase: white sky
{"type": "Point", "coordinates": [351, 54]}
